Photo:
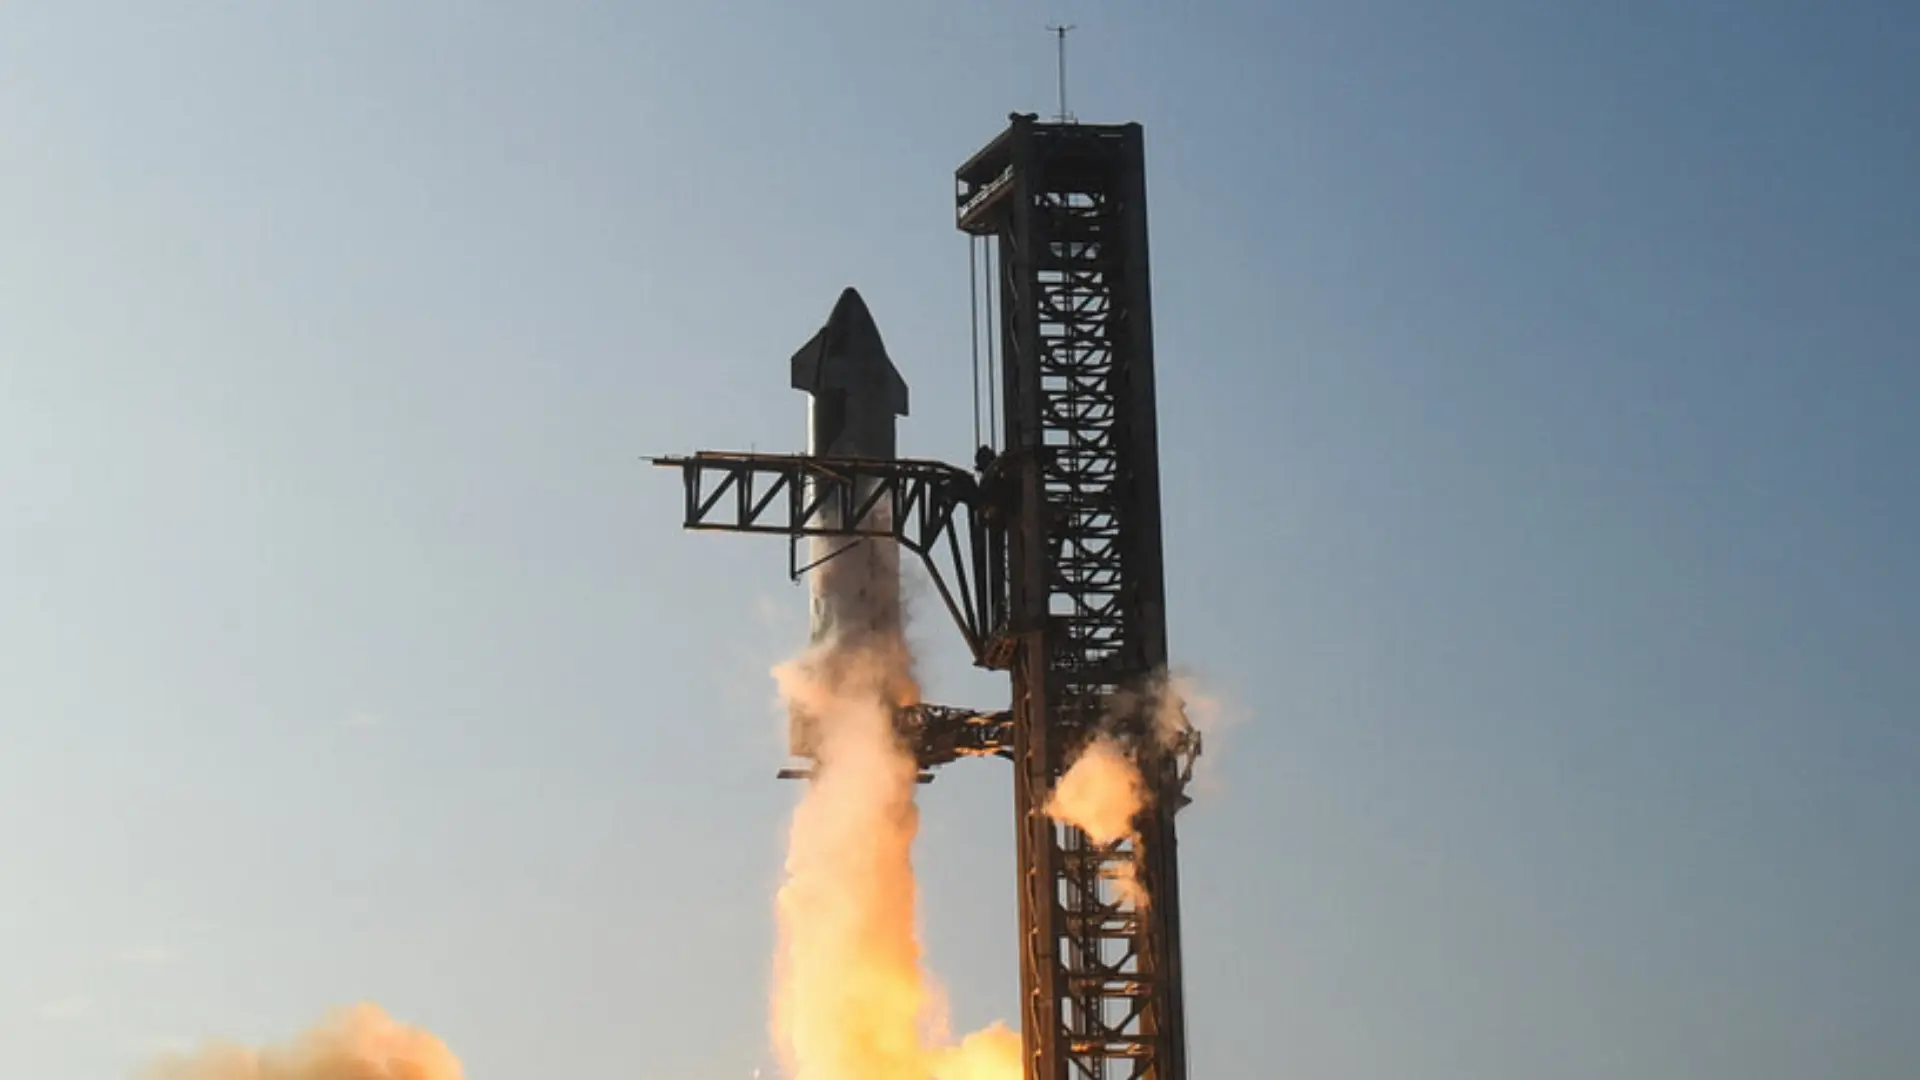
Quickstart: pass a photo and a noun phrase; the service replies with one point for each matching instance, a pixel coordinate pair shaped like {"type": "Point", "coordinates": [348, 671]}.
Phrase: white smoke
{"type": "Point", "coordinates": [1101, 792]}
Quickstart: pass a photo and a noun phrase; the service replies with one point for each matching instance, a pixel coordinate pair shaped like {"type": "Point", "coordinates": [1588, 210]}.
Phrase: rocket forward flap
{"type": "Point", "coordinates": [848, 356]}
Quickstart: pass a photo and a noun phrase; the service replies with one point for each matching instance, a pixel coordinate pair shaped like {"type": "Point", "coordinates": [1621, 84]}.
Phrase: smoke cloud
{"type": "Point", "coordinates": [851, 998]}
{"type": "Point", "coordinates": [1101, 793]}
{"type": "Point", "coordinates": [1104, 791]}
{"type": "Point", "coordinates": [1183, 709]}
{"type": "Point", "coordinates": [992, 1053]}
{"type": "Point", "coordinates": [361, 1043]}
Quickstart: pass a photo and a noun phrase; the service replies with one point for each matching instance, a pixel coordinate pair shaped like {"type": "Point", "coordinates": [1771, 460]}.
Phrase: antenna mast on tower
{"type": "Point", "coordinates": [1060, 36]}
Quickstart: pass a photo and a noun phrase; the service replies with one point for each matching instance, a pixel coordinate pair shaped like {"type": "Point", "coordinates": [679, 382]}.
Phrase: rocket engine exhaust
{"type": "Point", "coordinates": [851, 999]}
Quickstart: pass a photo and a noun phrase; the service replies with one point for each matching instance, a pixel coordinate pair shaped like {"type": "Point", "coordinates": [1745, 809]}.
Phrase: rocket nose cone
{"type": "Point", "coordinates": [847, 354]}
{"type": "Point", "coordinates": [850, 320]}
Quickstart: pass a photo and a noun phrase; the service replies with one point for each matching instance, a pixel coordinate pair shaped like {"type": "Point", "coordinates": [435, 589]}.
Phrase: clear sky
{"type": "Point", "coordinates": [1541, 423]}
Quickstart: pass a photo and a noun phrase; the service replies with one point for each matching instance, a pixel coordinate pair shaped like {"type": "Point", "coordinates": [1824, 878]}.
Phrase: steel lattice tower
{"type": "Point", "coordinates": [1065, 205]}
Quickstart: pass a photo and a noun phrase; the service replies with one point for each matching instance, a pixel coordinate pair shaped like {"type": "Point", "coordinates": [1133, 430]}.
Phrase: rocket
{"type": "Point", "coordinates": [855, 397]}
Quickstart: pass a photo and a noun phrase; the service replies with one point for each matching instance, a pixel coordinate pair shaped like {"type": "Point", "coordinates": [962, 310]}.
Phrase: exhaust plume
{"type": "Point", "coordinates": [361, 1043]}
{"type": "Point", "coordinates": [851, 999]}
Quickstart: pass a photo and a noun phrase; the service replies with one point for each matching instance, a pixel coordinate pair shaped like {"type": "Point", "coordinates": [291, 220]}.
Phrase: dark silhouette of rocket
{"type": "Point", "coordinates": [856, 392]}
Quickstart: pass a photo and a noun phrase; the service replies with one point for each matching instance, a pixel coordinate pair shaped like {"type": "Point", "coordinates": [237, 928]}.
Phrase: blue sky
{"type": "Point", "coordinates": [1539, 387]}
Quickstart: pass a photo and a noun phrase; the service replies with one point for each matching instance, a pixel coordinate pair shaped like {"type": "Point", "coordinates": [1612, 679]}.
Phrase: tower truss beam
{"type": "Point", "coordinates": [941, 513]}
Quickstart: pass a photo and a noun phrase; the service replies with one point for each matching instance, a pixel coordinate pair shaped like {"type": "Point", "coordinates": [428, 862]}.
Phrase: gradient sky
{"type": "Point", "coordinates": [1541, 424]}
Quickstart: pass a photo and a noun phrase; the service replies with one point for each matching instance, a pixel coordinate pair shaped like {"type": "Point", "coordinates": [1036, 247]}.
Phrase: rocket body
{"type": "Point", "coordinates": [855, 398]}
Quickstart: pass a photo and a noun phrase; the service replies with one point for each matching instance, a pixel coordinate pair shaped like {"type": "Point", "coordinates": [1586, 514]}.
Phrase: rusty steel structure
{"type": "Point", "coordinates": [1048, 556]}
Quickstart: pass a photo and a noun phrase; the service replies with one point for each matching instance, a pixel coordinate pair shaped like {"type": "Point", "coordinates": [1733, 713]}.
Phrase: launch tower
{"type": "Point", "coordinates": [1048, 555]}
{"type": "Point", "coordinates": [1064, 208]}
